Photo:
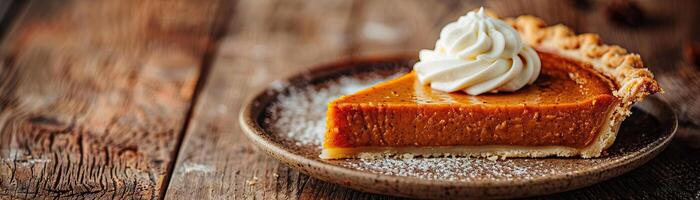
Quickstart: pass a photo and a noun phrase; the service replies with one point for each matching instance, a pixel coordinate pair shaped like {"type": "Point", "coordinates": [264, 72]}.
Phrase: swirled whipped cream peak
{"type": "Point", "coordinates": [478, 54]}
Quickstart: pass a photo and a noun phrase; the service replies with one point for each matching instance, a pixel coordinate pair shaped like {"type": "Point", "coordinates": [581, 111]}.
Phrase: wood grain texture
{"type": "Point", "coordinates": [271, 39]}
{"type": "Point", "coordinates": [94, 95]}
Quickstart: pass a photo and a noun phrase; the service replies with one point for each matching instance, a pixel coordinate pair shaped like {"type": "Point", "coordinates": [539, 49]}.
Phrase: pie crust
{"type": "Point", "coordinates": [634, 82]}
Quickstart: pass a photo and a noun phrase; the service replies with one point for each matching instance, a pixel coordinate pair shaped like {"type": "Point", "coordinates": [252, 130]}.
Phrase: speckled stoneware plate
{"type": "Point", "coordinates": [287, 120]}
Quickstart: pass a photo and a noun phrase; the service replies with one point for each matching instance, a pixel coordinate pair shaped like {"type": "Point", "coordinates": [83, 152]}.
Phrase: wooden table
{"type": "Point", "coordinates": [140, 99]}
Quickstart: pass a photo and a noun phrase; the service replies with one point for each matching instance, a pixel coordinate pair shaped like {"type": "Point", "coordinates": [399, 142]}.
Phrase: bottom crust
{"type": "Point", "coordinates": [605, 139]}
{"type": "Point", "coordinates": [446, 151]}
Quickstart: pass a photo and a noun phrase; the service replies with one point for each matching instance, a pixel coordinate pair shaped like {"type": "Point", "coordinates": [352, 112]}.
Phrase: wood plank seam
{"type": "Point", "coordinates": [218, 32]}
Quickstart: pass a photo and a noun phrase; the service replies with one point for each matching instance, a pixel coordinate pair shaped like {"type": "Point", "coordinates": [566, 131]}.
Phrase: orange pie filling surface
{"type": "Point", "coordinates": [566, 106]}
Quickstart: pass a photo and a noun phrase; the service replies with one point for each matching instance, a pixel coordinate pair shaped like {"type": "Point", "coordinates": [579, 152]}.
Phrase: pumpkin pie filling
{"type": "Point", "coordinates": [562, 108]}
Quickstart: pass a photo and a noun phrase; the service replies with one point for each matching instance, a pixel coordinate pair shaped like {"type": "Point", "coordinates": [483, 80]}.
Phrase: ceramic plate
{"type": "Point", "coordinates": [287, 119]}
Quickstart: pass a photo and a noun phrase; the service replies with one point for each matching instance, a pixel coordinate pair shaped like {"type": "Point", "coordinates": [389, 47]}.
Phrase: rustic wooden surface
{"type": "Point", "coordinates": [138, 99]}
{"type": "Point", "coordinates": [95, 95]}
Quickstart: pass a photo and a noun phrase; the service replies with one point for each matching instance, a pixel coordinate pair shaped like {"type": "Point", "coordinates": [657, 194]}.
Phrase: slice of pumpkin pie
{"type": "Point", "coordinates": [495, 88]}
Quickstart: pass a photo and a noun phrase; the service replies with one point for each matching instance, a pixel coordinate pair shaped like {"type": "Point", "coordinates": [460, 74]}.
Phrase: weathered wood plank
{"type": "Point", "coordinates": [272, 39]}
{"type": "Point", "coordinates": [94, 95]}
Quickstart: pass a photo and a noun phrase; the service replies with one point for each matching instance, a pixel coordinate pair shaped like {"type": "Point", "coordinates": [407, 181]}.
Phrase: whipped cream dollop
{"type": "Point", "coordinates": [478, 54]}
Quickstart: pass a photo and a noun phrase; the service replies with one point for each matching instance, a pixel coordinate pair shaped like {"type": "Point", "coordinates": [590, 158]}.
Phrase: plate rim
{"type": "Point", "coordinates": [258, 136]}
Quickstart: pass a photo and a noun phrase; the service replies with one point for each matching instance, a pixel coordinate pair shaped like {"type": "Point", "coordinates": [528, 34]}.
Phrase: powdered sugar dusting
{"type": "Point", "coordinates": [301, 113]}
{"type": "Point", "coordinates": [460, 168]}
